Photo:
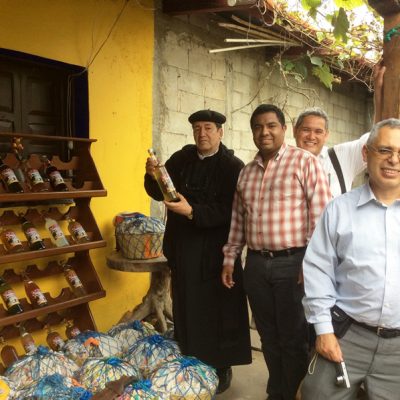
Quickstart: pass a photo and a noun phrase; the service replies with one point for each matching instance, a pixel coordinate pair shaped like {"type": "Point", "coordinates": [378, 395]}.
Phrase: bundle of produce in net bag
{"type": "Point", "coordinates": [54, 387]}
{"type": "Point", "coordinates": [150, 352]}
{"type": "Point", "coordinates": [128, 333]}
{"type": "Point", "coordinates": [95, 373]}
{"type": "Point", "coordinates": [92, 344]}
{"type": "Point", "coordinates": [185, 378]}
{"type": "Point", "coordinates": [139, 237]}
{"type": "Point", "coordinates": [140, 390]}
{"type": "Point", "coordinates": [7, 391]}
{"type": "Point", "coordinates": [43, 362]}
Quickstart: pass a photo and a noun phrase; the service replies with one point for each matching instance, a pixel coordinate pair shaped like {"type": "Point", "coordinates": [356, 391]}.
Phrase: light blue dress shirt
{"type": "Point", "coordinates": [353, 260]}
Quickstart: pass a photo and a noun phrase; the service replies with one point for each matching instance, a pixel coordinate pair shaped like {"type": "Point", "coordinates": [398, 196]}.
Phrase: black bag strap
{"type": "Point", "coordinates": [338, 169]}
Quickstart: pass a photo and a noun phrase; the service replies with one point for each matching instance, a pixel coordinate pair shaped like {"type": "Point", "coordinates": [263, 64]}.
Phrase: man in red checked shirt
{"type": "Point", "coordinates": [279, 197]}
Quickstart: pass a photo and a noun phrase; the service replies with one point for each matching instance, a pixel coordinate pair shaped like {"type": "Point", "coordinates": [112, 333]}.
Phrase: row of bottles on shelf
{"type": "Point", "coordinates": [14, 245]}
{"type": "Point", "coordinates": [33, 292]}
{"type": "Point", "coordinates": [54, 340]}
{"type": "Point", "coordinates": [35, 179]}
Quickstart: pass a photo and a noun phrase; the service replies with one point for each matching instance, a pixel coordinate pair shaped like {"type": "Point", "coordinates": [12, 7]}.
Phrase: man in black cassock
{"type": "Point", "coordinates": [210, 321]}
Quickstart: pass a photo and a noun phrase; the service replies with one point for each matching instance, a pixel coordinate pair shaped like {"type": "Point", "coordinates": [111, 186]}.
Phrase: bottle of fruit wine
{"type": "Point", "coordinates": [54, 339]}
{"type": "Point", "coordinates": [56, 180]}
{"type": "Point", "coordinates": [9, 179]}
{"type": "Point", "coordinates": [35, 295]}
{"type": "Point", "coordinates": [27, 340]}
{"type": "Point", "coordinates": [35, 242]}
{"type": "Point", "coordinates": [163, 179]}
{"type": "Point", "coordinates": [73, 281]}
{"type": "Point", "coordinates": [56, 234]}
{"type": "Point", "coordinates": [72, 330]}
{"type": "Point", "coordinates": [8, 353]}
{"type": "Point", "coordinates": [77, 232]}
{"type": "Point", "coordinates": [10, 240]}
{"type": "Point", "coordinates": [10, 298]}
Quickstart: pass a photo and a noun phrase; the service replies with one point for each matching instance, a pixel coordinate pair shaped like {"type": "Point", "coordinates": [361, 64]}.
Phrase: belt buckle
{"type": "Point", "coordinates": [379, 329]}
{"type": "Point", "coordinates": [267, 253]}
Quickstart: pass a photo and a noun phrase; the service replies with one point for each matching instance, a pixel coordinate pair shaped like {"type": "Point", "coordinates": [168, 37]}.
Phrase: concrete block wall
{"type": "Point", "coordinates": [188, 78]}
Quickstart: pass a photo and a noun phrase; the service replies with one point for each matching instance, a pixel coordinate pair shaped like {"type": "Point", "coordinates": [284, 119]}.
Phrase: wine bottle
{"type": "Point", "coordinates": [72, 330]}
{"type": "Point", "coordinates": [35, 295]}
{"type": "Point", "coordinates": [8, 353]}
{"type": "Point", "coordinates": [10, 298]}
{"type": "Point", "coordinates": [73, 281]}
{"type": "Point", "coordinates": [54, 339]}
{"type": "Point", "coordinates": [163, 179]}
{"type": "Point", "coordinates": [9, 179]}
{"type": "Point", "coordinates": [77, 232]}
{"type": "Point", "coordinates": [33, 177]}
{"type": "Point", "coordinates": [27, 340]}
{"type": "Point", "coordinates": [56, 180]}
{"type": "Point", "coordinates": [35, 242]}
{"type": "Point", "coordinates": [10, 240]}
{"type": "Point", "coordinates": [56, 234]}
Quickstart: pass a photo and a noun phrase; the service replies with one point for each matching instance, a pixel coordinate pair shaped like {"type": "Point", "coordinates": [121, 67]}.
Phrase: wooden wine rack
{"type": "Point", "coordinates": [83, 183]}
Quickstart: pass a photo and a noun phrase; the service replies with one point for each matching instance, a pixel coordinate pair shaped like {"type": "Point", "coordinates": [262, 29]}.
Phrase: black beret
{"type": "Point", "coordinates": [207, 115]}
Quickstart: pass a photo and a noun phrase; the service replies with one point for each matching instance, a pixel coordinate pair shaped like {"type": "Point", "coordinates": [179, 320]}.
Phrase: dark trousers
{"type": "Point", "coordinates": [275, 300]}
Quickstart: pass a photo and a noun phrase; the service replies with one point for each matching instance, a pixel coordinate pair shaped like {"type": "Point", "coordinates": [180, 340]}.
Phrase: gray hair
{"type": "Point", "coordinates": [315, 111]}
{"type": "Point", "coordinates": [391, 123]}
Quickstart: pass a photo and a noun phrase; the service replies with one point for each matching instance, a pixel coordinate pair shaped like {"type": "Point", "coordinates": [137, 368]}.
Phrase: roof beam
{"type": "Point", "coordinates": [176, 7]}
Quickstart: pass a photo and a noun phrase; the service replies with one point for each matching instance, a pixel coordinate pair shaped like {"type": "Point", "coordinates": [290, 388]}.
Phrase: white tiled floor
{"type": "Point", "coordinates": [249, 381]}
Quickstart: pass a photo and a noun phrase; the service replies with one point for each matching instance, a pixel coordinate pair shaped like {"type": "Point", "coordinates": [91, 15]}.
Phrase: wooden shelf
{"type": "Point", "coordinates": [83, 182]}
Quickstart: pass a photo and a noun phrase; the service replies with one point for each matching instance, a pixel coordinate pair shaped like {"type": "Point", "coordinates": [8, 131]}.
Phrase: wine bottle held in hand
{"type": "Point", "coordinates": [163, 179]}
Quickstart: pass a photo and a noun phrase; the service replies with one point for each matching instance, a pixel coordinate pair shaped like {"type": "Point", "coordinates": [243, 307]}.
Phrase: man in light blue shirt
{"type": "Point", "coordinates": [353, 262]}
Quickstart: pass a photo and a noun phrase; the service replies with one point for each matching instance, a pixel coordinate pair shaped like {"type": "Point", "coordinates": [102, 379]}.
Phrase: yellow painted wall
{"type": "Point", "coordinates": [120, 104]}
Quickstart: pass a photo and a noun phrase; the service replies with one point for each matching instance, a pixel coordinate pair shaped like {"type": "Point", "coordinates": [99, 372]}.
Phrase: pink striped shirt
{"type": "Point", "coordinates": [270, 204]}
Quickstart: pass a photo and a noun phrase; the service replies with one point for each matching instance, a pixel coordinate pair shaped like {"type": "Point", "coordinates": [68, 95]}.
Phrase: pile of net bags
{"type": "Point", "coordinates": [153, 364]}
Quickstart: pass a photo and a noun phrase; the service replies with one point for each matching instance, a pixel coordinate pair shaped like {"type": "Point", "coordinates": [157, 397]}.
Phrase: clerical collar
{"type": "Point", "coordinates": [209, 155]}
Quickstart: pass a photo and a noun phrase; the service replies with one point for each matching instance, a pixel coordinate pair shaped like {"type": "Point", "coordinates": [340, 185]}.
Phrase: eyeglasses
{"type": "Point", "coordinates": [384, 152]}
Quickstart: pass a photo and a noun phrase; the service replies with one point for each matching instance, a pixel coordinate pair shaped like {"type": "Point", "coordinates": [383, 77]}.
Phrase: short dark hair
{"type": "Point", "coordinates": [314, 111]}
{"type": "Point", "coordinates": [266, 108]}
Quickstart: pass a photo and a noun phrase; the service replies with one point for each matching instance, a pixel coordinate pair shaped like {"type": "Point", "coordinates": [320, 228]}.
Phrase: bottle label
{"type": "Point", "coordinates": [10, 239]}
{"type": "Point", "coordinates": [73, 278]}
{"type": "Point", "coordinates": [10, 298]}
{"type": "Point", "coordinates": [56, 231]}
{"type": "Point", "coordinates": [56, 178]}
{"type": "Point", "coordinates": [78, 232]}
{"type": "Point", "coordinates": [34, 176]}
{"type": "Point", "coordinates": [168, 184]}
{"type": "Point", "coordinates": [74, 332]}
{"type": "Point", "coordinates": [8, 176]}
{"type": "Point", "coordinates": [29, 346]}
{"type": "Point", "coordinates": [39, 297]}
{"type": "Point", "coordinates": [57, 342]}
{"type": "Point", "coordinates": [32, 235]}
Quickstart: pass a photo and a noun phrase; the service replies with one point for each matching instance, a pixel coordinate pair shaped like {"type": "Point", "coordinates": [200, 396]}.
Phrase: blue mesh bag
{"type": "Point", "coordinates": [150, 352]}
{"type": "Point", "coordinates": [128, 333]}
{"type": "Point", "coordinates": [185, 378]}
{"type": "Point", "coordinates": [140, 390]}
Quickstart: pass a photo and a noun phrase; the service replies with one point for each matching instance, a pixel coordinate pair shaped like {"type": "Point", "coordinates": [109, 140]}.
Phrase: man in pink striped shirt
{"type": "Point", "coordinates": [279, 197]}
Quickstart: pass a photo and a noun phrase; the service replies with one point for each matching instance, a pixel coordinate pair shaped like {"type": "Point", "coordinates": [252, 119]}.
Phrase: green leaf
{"type": "Point", "coordinates": [287, 65]}
{"type": "Point", "coordinates": [301, 69]}
{"type": "Point", "coordinates": [316, 61]}
{"type": "Point", "coordinates": [309, 4]}
{"type": "Point", "coordinates": [349, 4]}
{"type": "Point", "coordinates": [324, 75]}
{"type": "Point", "coordinates": [341, 26]}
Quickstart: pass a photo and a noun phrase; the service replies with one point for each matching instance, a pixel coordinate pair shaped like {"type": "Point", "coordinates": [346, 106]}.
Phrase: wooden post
{"type": "Point", "coordinates": [390, 11]}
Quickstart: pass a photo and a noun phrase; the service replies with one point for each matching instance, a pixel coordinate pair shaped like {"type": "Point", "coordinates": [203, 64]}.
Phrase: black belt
{"type": "Point", "coordinates": [278, 253]}
{"type": "Point", "coordinates": [385, 333]}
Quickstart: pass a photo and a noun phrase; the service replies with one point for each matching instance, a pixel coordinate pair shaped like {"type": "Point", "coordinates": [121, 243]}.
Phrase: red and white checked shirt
{"type": "Point", "coordinates": [277, 207]}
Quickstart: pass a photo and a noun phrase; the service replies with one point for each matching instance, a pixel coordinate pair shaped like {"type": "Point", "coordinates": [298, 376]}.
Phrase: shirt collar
{"type": "Point", "coordinates": [324, 153]}
{"type": "Point", "coordinates": [201, 157]}
{"type": "Point", "coordinates": [278, 155]}
{"type": "Point", "coordinates": [368, 195]}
